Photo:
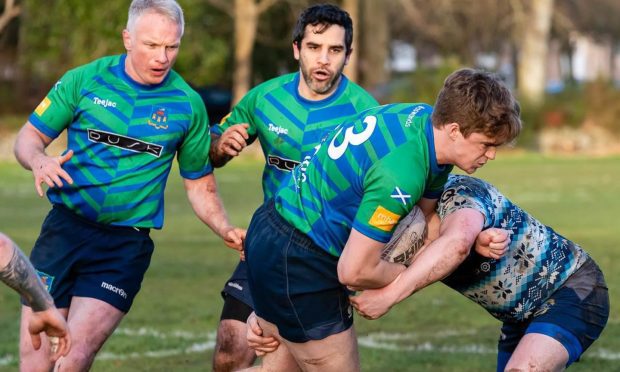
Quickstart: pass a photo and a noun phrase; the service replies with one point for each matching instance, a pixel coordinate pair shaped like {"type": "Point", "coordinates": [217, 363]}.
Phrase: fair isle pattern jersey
{"type": "Point", "coordinates": [124, 136]}
{"type": "Point", "coordinates": [367, 175]}
{"type": "Point", "coordinates": [288, 126]}
{"type": "Point", "coordinates": [539, 260]}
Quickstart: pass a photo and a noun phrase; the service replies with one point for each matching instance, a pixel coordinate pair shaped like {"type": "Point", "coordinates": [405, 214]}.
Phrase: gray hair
{"type": "Point", "coordinates": [168, 8]}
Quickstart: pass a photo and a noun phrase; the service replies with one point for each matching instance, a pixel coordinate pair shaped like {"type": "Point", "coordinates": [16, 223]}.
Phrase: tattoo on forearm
{"type": "Point", "coordinates": [20, 275]}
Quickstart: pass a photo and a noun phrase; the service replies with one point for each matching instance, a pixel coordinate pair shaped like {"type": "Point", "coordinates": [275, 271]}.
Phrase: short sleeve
{"type": "Point", "coordinates": [389, 195]}
{"type": "Point", "coordinates": [193, 154]}
{"type": "Point", "coordinates": [462, 194]}
{"type": "Point", "coordinates": [57, 109]}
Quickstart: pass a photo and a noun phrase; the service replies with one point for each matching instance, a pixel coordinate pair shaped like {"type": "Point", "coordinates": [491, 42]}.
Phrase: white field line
{"type": "Point", "coordinates": [379, 340]}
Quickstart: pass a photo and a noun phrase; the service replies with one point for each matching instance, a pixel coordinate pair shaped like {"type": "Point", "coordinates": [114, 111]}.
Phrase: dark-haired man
{"type": "Point", "coordinates": [288, 115]}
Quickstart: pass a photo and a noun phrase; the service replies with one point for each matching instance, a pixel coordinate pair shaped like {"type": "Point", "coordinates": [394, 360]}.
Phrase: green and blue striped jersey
{"type": "Point", "coordinates": [124, 136]}
{"type": "Point", "coordinates": [288, 126]}
{"type": "Point", "coordinates": [367, 175]}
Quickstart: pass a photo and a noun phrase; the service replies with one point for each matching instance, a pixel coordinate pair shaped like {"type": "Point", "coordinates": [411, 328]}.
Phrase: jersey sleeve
{"type": "Point", "coordinates": [390, 193]}
{"type": "Point", "coordinates": [462, 194]}
{"type": "Point", "coordinates": [243, 112]}
{"type": "Point", "coordinates": [193, 154]}
{"type": "Point", "coordinates": [57, 109]}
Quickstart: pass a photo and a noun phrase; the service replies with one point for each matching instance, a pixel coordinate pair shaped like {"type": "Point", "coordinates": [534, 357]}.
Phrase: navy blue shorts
{"type": "Point", "coordinates": [237, 285]}
{"type": "Point", "coordinates": [574, 315]}
{"type": "Point", "coordinates": [78, 257]}
{"type": "Point", "coordinates": [294, 283]}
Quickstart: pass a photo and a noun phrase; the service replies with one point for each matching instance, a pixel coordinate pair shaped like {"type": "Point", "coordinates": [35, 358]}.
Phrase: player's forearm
{"type": "Point", "coordinates": [375, 275]}
{"type": "Point", "coordinates": [207, 205]}
{"type": "Point", "coordinates": [19, 274]}
{"type": "Point", "coordinates": [29, 146]}
{"type": "Point", "coordinates": [438, 260]}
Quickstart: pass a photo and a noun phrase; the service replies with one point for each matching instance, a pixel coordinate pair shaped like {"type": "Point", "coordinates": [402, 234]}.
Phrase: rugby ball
{"type": "Point", "coordinates": [407, 239]}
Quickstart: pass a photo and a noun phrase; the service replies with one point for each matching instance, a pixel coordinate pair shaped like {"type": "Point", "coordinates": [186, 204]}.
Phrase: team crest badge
{"type": "Point", "coordinates": [47, 280]}
{"type": "Point", "coordinates": [159, 118]}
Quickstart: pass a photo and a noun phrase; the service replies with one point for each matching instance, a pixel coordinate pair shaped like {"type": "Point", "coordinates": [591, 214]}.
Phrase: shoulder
{"type": "Point", "coordinates": [358, 94]}
{"type": "Point", "coordinates": [192, 95]}
{"type": "Point", "coordinates": [273, 84]}
{"type": "Point", "coordinates": [93, 68]}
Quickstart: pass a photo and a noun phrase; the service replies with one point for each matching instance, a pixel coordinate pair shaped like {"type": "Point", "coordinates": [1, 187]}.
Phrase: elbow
{"type": "Point", "coordinates": [461, 248]}
{"type": "Point", "coordinates": [350, 276]}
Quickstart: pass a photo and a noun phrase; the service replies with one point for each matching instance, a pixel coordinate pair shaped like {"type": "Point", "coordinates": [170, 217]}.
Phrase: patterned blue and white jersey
{"type": "Point", "coordinates": [538, 261]}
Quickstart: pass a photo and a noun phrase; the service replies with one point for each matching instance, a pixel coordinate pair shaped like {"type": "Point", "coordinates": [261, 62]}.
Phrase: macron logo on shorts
{"type": "Point", "coordinates": [111, 288]}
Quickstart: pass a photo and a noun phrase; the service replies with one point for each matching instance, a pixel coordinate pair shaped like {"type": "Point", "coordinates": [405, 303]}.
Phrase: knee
{"type": "Point", "coordinates": [80, 358]}
{"type": "Point", "coordinates": [524, 366]}
{"type": "Point", "coordinates": [231, 349]}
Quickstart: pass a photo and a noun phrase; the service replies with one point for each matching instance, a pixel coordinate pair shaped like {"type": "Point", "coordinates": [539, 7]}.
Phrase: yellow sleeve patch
{"type": "Point", "coordinates": [383, 219]}
{"type": "Point", "coordinates": [43, 106]}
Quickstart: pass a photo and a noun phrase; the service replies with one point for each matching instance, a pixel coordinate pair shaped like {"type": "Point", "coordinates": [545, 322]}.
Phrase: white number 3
{"type": "Point", "coordinates": [335, 152]}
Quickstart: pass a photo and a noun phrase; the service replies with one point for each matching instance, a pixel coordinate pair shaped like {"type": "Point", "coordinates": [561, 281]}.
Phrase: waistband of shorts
{"type": "Point", "coordinates": [129, 229]}
{"type": "Point", "coordinates": [278, 222]}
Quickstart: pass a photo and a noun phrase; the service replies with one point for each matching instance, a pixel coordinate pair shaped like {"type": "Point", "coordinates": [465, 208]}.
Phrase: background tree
{"type": "Point", "coordinates": [245, 15]}
{"type": "Point", "coordinates": [533, 24]}
{"type": "Point", "coordinates": [9, 11]}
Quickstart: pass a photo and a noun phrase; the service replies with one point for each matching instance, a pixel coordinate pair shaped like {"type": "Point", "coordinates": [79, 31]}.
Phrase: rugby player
{"type": "Point", "coordinates": [127, 117]}
{"type": "Point", "coordinates": [325, 228]}
{"type": "Point", "coordinates": [549, 293]}
{"type": "Point", "coordinates": [288, 115]}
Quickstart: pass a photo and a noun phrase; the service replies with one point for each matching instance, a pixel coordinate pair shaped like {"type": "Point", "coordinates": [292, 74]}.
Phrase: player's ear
{"type": "Point", "coordinates": [454, 129]}
{"type": "Point", "coordinates": [127, 40]}
{"type": "Point", "coordinates": [348, 57]}
{"type": "Point", "coordinates": [296, 50]}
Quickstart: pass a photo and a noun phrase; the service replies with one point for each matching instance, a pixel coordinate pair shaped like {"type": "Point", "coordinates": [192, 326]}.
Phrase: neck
{"type": "Point", "coordinates": [442, 146]}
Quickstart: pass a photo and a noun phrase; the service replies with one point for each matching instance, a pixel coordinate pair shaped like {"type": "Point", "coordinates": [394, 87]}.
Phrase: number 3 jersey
{"type": "Point", "coordinates": [367, 174]}
{"type": "Point", "coordinates": [124, 136]}
{"type": "Point", "coordinates": [289, 126]}
{"type": "Point", "coordinates": [537, 263]}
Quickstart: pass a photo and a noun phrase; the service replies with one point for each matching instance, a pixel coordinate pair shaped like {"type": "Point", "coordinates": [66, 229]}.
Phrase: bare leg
{"type": "Point", "coordinates": [538, 352]}
{"type": "Point", "coordinates": [336, 353]}
{"type": "Point", "coordinates": [91, 322]}
{"type": "Point", "coordinates": [31, 359]}
{"type": "Point", "coordinates": [231, 347]}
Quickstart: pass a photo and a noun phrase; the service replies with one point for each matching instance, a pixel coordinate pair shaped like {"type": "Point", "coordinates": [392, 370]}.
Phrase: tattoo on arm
{"type": "Point", "coordinates": [20, 275]}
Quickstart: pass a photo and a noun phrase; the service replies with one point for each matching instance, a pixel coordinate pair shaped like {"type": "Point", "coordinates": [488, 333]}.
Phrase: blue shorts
{"type": "Point", "coordinates": [237, 285]}
{"type": "Point", "coordinates": [78, 257]}
{"type": "Point", "coordinates": [294, 283]}
{"type": "Point", "coordinates": [574, 315]}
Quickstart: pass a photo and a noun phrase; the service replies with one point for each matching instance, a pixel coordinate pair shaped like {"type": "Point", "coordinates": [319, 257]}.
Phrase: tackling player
{"type": "Point", "coordinates": [548, 292]}
{"type": "Point", "coordinates": [289, 115]}
{"type": "Point", "coordinates": [127, 117]}
{"type": "Point", "coordinates": [325, 228]}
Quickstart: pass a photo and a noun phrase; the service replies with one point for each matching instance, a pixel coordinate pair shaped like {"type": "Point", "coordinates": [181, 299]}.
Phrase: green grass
{"type": "Point", "coordinates": [172, 323]}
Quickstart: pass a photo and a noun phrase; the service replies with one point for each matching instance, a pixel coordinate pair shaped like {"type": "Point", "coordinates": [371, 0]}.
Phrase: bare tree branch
{"type": "Point", "coordinates": [223, 5]}
{"type": "Point", "coordinates": [10, 11]}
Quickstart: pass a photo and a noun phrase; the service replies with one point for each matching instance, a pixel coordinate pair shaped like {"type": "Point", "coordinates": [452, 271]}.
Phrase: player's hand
{"type": "Point", "coordinates": [372, 303]}
{"type": "Point", "coordinates": [234, 238]}
{"type": "Point", "coordinates": [55, 327]}
{"type": "Point", "coordinates": [48, 169]}
{"type": "Point", "coordinates": [493, 242]}
{"type": "Point", "coordinates": [233, 140]}
{"type": "Point", "coordinates": [261, 345]}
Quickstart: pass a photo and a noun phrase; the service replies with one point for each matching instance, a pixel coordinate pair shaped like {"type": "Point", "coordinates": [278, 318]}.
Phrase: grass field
{"type": "Point", "coordinates": [172, 324]}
